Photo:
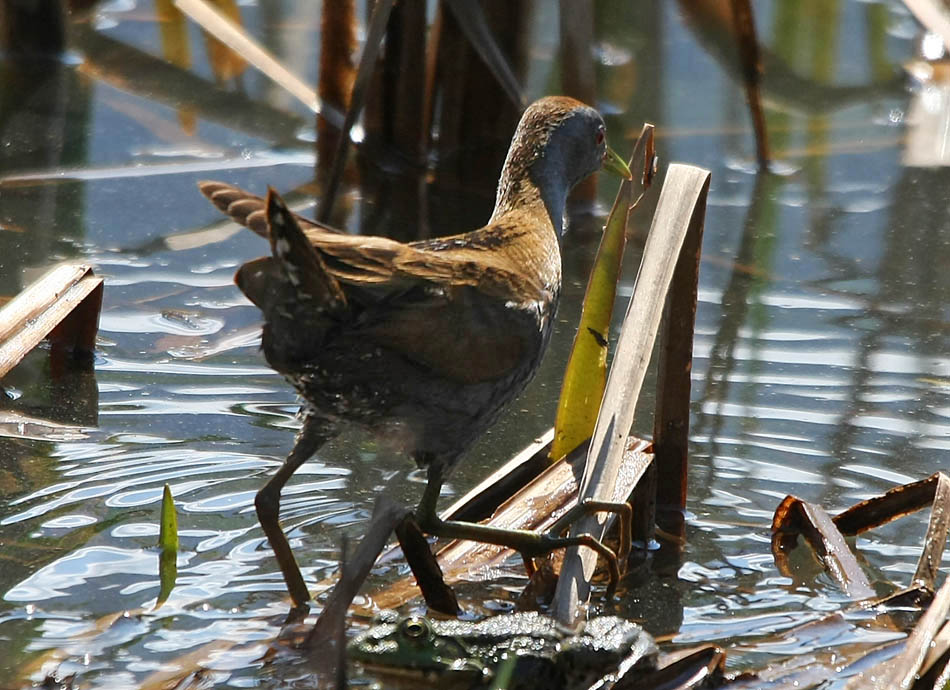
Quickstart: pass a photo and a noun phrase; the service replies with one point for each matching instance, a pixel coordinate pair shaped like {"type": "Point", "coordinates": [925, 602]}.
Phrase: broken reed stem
{"type": "Point", "coordinates": [679, 209]}
{"type": "Point", "coordinates": [671, 418]}
{"type": "Point", "coordinates": [62, 306]}
{"type": "Point", "coordinates": [386, 515]}
{"type": "Point", "coordinates": [415, 547]}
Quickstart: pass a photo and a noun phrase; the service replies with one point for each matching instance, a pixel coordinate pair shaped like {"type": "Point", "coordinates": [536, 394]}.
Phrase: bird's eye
{"type": "Point", "coordinates": [600, 136]}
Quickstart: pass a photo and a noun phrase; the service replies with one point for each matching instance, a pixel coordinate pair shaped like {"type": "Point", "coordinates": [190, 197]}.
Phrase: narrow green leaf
{"type": "Point", "coordinates": [168, 531]}
{"type": "Point", "coordinates": [586, 373]}
{"type": "Point", "coordinates": [168, 543]}
{"type": "Point", "coordinates": [167, 575]}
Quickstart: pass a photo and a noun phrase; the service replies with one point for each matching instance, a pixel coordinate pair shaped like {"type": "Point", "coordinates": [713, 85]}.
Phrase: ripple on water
{"type": "Point", "coordinates": [218, 539]}
{"type": "Point", "coordinates": [182, 368]}
{"type": "Point", "coordinates": [763, 412]}
{"type": "Point", "coordinates": [136, 478]}
{"type": "Point", "coordinates": [170, 406]}
{"type": "Point", "coordinates": [704, 626]}
{"type": "Point", "coordinates": [222, 390]}
{"type": "Point", "coordinates": [235, 500]}
{"type": "Point", "coordinates": [146, 322]}
{"type": "Point", "coordinates": [154, 274]}
{"type": "Point", "coordinates": [73, 571]}
{"type": "Point", "coordinates": [136, 530]}
{"type": "Point", "coordinates": [878, 473]}
{"type": "Point", "coordinates": [66, 522]}
{"type": "Point", "coordinates": [142, 497]}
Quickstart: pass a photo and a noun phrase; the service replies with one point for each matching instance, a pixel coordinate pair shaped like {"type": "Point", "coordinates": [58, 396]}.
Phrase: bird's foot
{"type": "Point", "coordinates": [529, 544]}
{"type": "Point", "coordinates": [621, 509]}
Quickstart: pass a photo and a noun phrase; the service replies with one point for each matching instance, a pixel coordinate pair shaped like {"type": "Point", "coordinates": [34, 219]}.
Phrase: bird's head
{"type": "Point", "coordinates": [559, 142]}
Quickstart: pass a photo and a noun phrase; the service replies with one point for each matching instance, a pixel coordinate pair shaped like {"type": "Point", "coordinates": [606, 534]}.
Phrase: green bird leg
{"type": "Point", "coordinates": [529, 544]}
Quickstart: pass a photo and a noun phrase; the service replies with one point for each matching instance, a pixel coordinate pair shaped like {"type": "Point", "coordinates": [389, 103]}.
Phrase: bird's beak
{"type": "Point", "coordinates": [613, 163]}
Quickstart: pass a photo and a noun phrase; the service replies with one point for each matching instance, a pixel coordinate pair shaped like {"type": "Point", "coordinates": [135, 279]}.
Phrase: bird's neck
{"type": "Point", "coordinates": [531, 182]}
{"type": "Point", "coordinates": [531, 224]}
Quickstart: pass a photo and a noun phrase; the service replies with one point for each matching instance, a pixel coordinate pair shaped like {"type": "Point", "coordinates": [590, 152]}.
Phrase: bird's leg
{"type": "Point", "coordinates": [529, 544]}
{"type": "Point", "coordinates": [315, 433]}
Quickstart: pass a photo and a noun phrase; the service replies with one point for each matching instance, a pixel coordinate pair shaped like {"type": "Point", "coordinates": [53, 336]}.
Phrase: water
{"type": "Point", "coordinates": [820, 355]}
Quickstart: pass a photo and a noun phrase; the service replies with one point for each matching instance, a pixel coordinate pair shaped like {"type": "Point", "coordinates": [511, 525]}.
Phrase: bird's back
{"type": "Point", "coordinates": [468, 306]}
{"type": "Point", "coordinates": [409, 340]}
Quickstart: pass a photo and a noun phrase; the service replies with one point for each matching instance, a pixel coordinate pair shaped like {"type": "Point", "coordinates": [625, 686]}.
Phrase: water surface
{"type": "Point", "coordinates": [820, 367]}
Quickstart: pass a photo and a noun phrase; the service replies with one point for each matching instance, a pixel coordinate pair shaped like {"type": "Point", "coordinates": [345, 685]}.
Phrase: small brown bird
{"type": "Point", "coordinates": [425, 341]}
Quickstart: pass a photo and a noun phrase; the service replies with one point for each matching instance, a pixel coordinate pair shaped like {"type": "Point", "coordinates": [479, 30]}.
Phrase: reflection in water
{"type": "Point", "coordinates": [51, 98]}
{"type": "Point", "coordinates": [736, 300]}
{"type": "Point", "coordinates": [820, 368]}
{"type": "Point", "coordinates": [903, 324]}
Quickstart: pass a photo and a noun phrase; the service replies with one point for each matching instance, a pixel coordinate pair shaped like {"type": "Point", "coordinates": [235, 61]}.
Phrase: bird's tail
{"type": "Point", "coordinates": [302, 265]}
{"type": "Point", "coordinates": [299, 299]}
{"type": "Point", "coordinates": [245, 208]}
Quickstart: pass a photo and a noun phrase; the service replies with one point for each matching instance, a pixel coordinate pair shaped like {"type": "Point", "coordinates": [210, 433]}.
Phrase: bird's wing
{"type": "Point", "coordinates": [368, 261]}
{"type": "Point", "coordinates": [460, 336]}
{"type": "Point", "coordinates": [379, 263]}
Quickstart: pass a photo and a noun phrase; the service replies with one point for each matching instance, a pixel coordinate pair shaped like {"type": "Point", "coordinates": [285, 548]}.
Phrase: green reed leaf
{"type": "Point", "coordinates": [586, 373]}
{"type": "Point", "coordinates": [168, 544]}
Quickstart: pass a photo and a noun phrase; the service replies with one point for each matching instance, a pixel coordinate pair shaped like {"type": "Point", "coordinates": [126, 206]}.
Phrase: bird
{"type": "Point", "coordinates": [423, 341]}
